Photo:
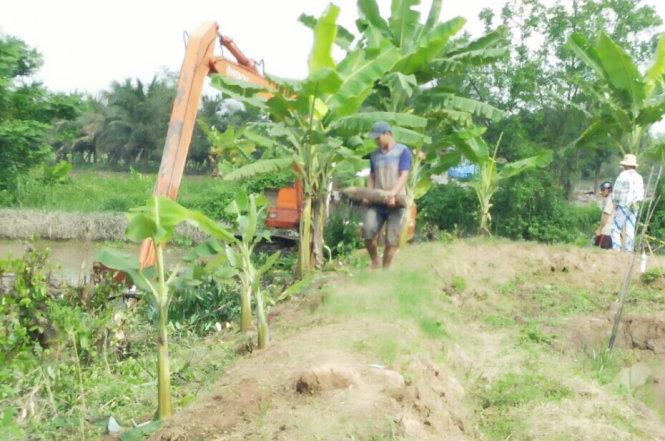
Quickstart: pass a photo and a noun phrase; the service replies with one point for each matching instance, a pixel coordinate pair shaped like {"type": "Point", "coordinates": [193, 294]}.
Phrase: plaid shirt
{"type": "Point", "coordinates": [628, 188]}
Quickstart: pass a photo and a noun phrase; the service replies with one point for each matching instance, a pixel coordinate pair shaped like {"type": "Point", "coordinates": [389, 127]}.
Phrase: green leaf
{"type": "Point", "coordinates": [541, 159]}
{"type": "Point", "coordinates": [581, 47]}
{"type": "Point", "coordinates": [323, 81]}
{"type": "Point", "coordinates": [138, 432]}
{"type": "Point", "coordinates": [622, 74]}
{"type": "Point", "coordinates": [344, 38]}
{"type": "Point", "coordinates": [260, 167]}
{"type": "Point", "coordinates": [410, 137]}
{"type": "Point", "coordinates": [443, 101]}
{"type": "Point", "coordinates": [270, 261]}
{"type": "Point", "coordinates": [140, 227]}
{"type": "Point", "coordinates": [446, 161]}
{"type": "Point", "coordinates": [654, 73]}
{"type": "Point", "coordinates": [421, 188]}
{"type": "Point", "coordinates": [471, 144]}
{"type": "Point", "coordinates": [128, 264]}
{"type": "Point", "coordinates": [404, 23]}
{"type": "Point", "coordinates": [209, 248]}
{"type": "Point", "coordinates": [358, 83]}
{"type": "Point", "coordinates": [369, 10]}
{"type": "Point", "coordinates": [362, 122]}
{"type": "Point", "coordinates": [431, 46]}
{"type": "Point", "coordinates": [325, 32]}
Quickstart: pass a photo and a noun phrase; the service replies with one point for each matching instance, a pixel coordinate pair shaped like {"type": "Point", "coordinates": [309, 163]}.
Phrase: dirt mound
{"type": "Point", "coordinates": [308, 386]}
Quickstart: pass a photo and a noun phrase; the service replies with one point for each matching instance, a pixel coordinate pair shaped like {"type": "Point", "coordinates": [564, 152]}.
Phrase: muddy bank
{"type": "Point", "coordinates": [57, 225]}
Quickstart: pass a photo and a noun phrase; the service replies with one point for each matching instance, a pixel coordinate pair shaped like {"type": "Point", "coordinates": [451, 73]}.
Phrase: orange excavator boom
{"type": "Point", "coordinates": [199, 62]}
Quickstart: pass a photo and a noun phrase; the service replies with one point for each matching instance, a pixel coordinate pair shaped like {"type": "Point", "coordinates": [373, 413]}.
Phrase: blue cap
{"type": "Point", "coordinates": [379, 128]}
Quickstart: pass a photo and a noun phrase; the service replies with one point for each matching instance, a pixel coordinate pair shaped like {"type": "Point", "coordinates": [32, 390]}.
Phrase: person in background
{"type": "Point", "coordinates": [627, 192]}
{"type": "Point", "coordinates": [390, 165]}
{"type": "Point", "coordinates": [604, 230]}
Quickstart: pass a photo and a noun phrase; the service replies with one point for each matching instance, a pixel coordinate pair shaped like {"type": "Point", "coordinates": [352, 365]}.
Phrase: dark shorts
{"type": "Point", "coordinates": [605, 242]}
{"type": "Point", "coordinates": [376, 216]}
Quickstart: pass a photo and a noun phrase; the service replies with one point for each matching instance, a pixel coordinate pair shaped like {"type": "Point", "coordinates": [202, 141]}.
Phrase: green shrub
{"type": "Point", "coordinates": [533, 207]}
{"type": "Point", "coordinates": [198, 305]}
{"type": "Point", "coordinates": [450, 207]}
{"type": "Point", "coordinates": [342, 232]}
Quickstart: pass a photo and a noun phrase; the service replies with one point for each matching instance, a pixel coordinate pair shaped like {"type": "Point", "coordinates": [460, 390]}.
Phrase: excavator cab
{"type": "Point", "coordinates": [287, 212]}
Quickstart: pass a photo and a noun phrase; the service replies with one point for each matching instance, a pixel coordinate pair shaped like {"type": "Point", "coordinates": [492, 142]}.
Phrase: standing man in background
{"type": "Point", "coordinates": [604, 230]}
{"type": "Point", "coordinates": [390, 164]}
{"type": "Point", "coordinates": [628, 191]}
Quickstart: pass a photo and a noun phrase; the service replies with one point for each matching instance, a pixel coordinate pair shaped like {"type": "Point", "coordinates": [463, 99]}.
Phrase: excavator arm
{"type": "Point", "coordinates": [199, 62]}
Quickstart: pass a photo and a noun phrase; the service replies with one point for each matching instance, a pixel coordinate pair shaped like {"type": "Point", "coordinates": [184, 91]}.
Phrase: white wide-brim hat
{"type": "Point", "coordinates": [629, 161]}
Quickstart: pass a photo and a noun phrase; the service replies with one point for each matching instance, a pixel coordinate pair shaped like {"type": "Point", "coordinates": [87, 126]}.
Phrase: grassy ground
{"type": "Point", "coordinates": [482, 340]}
{"type": "Point", "coordinates": [474, 339]}
{"type": "Point", "coordinates": [90, 192]}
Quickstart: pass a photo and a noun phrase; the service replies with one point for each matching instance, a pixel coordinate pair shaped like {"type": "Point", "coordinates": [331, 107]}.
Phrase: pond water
{"type": "Point", "coordinates": [72, 259]}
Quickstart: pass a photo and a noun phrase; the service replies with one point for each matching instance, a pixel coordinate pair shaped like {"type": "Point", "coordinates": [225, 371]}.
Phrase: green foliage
{"type": "Point", "coordinates": [604, 365]}
{"type": "Point", "coordinates": [28, 113]}
{"type": "Point", "coordinates": [202, 302]}
{"type": "Point", "coordinates": [530, 207]}
{"type": "Point", "coordinates": [450, 207]}
{"type": "Point", "coordinates": [629, 102]}
{"type": "Point", "coordinates": [651, 275]}
{"type": "Point", "coordinates": [342, 233]}
{"type": "Point", "coordinates": [57, 174]}
{"type": "Point", "coordinates": [24, 311]}
{"type": "Point", "coordinates": [534, 207]}
{"type": "Point", "coordinates": [502, 401]}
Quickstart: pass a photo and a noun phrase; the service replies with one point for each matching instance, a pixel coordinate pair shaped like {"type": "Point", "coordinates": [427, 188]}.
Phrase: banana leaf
{"type": "Point", "coordinates": [261, 166]}
{"type": "Point", "coordinates": [403, 23]}
{"type": "Point", "coordinates": [656, 72]}
{"type": "Point", "coordinates": [325, 32]}
{"type": "Point", "coordinates": [358, 83]}
{"type": "Point", "coordinates": [362, 122]}
{"type": "Point", "coordinates": [622, 74]}
{"type": "Point", "coordinates": [344, 39]}
{"type": "Point", "coordinates": [430, 47]}
{"type": "Point", "coordinates": [541, 159]}
{"type": "Point", "coordinates": [369, 10]}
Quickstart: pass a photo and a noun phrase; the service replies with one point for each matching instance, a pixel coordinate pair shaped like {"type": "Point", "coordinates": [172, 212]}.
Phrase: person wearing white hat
{"type": "Point", "coordinates": [627, 192]}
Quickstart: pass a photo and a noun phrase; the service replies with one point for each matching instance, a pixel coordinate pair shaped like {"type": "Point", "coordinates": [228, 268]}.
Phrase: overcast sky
{"type": "Point", "coordinates": [87, 44]}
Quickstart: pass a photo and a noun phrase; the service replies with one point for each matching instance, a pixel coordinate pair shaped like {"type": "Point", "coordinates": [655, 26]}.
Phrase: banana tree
{"type": "Point", "coordinates": [629, 102]}
{"type": "Point", "coordinates": [314, 122]}
{"type": "Point", "coordinates": [418, 83]}
{"type": "Point", "coordinates": [249, 211]}
{"type": "Point", "coordinates": [157, 220]}
{"type": "Point", "coordinates": [489, 177]}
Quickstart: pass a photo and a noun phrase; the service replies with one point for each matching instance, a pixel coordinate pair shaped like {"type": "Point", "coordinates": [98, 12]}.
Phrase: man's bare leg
{"type": "Point", "coordinates": [388, 254]}
{"type": "Point", "coordinates": [373, 250]}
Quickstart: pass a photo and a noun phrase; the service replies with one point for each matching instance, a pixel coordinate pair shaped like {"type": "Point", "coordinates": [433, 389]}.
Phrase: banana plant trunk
{"type": "Point", "coordinates": [164, 406]}
{"type": "Point", "coordinates": [318, 224]}
{"type": "Point", "coordinates": [245, 306]}
{"type": "Point", "coordinates": [304, 265]}
{"type": "Point", "coordinates": [310, 245]}
{"type": "Point", "coordinates": [261, 318]}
